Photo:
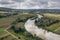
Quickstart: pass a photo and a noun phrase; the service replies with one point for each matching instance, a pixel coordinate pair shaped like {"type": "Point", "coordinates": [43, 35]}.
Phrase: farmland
{"type": "Point", "coordinates": [12, 26]}
{"type": "Point", "coordinates": [55, 27]}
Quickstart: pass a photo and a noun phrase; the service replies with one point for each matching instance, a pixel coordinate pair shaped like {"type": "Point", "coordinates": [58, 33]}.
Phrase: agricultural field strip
{"type": "Point", "coordinates": [57, 29]}
{"type": "Point", "coordinates": [16, 36]}
{"type": "Point", "coordinates": [11, 33]}
{"type": "Point", "coordinates": [8, 33]}
{"type": "Point", "coordinates": [4, 35]}
{"type": "Point", "coordinates": [57, 16]}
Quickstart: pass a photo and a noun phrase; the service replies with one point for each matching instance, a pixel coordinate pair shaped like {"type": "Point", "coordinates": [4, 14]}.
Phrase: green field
{"type": "Point", "coordinates": [5, 23]}
{"type": "Point", "coordinates": [8, 37]}
{"type": "Point", "coordinates": [56, 16]}
{"type": "Point", "coordinates": [2, 31]}
{"type": "Point", "coordinates": [55, 27]}
{"type": "Point", "coordinates": [15, 25]}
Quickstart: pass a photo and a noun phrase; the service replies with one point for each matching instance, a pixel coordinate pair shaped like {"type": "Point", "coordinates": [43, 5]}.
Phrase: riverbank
{"type": "Point", "coordinates": [41, 33]}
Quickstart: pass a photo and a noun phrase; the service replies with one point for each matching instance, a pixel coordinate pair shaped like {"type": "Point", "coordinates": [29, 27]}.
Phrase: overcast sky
{"type": "Point", "coordinates": [30, 4]}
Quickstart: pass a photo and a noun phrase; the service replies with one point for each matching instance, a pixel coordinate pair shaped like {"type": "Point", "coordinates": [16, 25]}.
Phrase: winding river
{"type": "Point", "coordinates": [41, 33]}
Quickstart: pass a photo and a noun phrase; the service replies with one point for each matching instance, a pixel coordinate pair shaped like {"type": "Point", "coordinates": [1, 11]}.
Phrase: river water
{"type": "Point", "coordinates": [41, 33]}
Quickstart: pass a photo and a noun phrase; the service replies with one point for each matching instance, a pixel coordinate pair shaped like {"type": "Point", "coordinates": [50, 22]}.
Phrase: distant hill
{"type": "Point", "coordinates": [31, 10]}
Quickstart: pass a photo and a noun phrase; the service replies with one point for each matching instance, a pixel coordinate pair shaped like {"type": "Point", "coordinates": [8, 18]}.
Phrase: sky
{"type": "Point", "coordinates": [30, 4]}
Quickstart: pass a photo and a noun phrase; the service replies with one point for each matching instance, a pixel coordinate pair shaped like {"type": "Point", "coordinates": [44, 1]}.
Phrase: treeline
{"type": "Point", "coordinates": [45, 22]}
{"type": "Point", "coordinates": [21, 30]}
{"type": "Point", "coordinates": [24, 33]}
{"type": "Point", "coordinates": [18, 20]}
{"type": "Point", "coordinates": [3, 15]}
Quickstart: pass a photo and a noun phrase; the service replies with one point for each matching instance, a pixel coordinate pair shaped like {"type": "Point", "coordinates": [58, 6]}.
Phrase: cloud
{"type": "Point", "coordinates": [54, 4]}
{"type": "Point", "coordinates": [30, 4]}
{"type": "Point", "coordinates": [34, 4]}
{"type": "Point", "coordinates": [6, 2]}
{"type": "Point", "coordinates": [19, 0]}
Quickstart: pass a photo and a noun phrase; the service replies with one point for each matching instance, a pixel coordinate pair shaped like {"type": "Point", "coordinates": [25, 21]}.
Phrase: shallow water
{"type": "Point", "coordinates": [33, 29]}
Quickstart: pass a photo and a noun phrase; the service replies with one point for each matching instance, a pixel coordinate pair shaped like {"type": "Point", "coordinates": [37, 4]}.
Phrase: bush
{"type": "Point", "coordinates": [44, 22]}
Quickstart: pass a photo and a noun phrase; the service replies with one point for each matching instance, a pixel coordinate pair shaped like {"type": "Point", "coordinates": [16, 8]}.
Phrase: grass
{"type": "Point", "coordinates": [3, 12]}
{"type": "Point", "coordinates": [9, 20]}
{"type": "Point", "coordinates": [56, 16]}
{"type": "Point", "coordinates": [21, 25]}
{"type": "Point", "coordinates": [53, 27]}
{"type": "Point", "coordinates": [6, 20]}
{"type": "Point", "coordinates": [4, 23]}
{"type": "Point", "coordinates": [8, 37]}
{"type": "Point", "coordinates": [2, 32]}
{"type": "Point", "coordinates": [57, 30]}
{"type": "Point", "coordinates": [24, 16]}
